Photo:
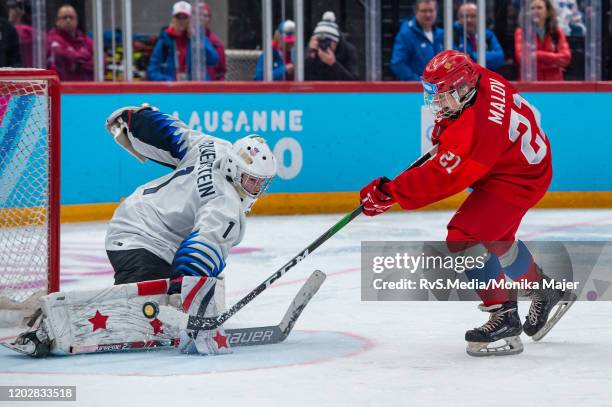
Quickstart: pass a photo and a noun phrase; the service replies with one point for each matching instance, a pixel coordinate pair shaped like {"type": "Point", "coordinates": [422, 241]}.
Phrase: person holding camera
{"type": "Point", "coordinates": [330, 57]}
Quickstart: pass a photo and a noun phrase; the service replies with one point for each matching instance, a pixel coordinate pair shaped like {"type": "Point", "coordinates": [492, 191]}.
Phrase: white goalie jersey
{"type": "Point", "coordinates": [190, 217]}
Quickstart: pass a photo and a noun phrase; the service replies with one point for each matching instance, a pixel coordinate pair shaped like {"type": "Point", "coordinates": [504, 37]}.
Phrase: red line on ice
{"type": "Point", "coordinates": [99, 272]}
{"type": "Point", "coordinates": [541, 232]}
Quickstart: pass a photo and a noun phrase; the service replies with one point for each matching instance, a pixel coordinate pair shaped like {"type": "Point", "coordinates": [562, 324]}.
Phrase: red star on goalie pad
{"type": "Point", "coordinates": [158, 327]}
{"type": "Point", "coordinates": [221, 340]}
{"type": "Point", "coordinates": [98, 321]}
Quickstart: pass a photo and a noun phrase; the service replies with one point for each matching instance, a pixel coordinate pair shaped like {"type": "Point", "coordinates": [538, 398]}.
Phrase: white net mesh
{"type": "Point", "coordinates": [24, 187]}
{"type": "Point", "coordinates": [241, 64]}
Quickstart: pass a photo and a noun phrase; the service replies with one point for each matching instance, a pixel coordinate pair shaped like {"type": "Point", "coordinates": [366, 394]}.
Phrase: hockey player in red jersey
{"type": "Point", "coordinates": [489, 138]}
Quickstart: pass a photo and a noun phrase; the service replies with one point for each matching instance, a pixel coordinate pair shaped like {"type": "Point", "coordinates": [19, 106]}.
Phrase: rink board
{"type": "Point", "coordinates": [327, 140]}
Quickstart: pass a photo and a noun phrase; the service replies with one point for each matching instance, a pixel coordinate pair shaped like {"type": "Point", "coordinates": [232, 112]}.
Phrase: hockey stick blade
{"type": "Point", "coordinates": [211, 323]}
{"type": "Point", "coordinates": [258, 335]}
{"type": "Point", "coordinates": [280, 332]}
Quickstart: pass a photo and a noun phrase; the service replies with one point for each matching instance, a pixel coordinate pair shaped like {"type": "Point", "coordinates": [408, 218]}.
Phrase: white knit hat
{"type": "Point", "coordinates": [327, 27]}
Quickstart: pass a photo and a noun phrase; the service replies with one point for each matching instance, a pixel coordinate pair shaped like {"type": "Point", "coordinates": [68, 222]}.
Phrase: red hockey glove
{"type": "Point", "coordinates": [374, 198]}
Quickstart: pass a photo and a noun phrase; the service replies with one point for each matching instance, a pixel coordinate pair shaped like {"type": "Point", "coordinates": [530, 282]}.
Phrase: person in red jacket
{"type": "Point", "coordinates": [552, 53]}
{"type": "Point", "coordinates": [20, 15]}
{"type": "Point", "coordinates": [215, 72]}
{"type": "Point", "coordinates": [69, 51]}
{"type": "Point", "coordinates": [488, 138]}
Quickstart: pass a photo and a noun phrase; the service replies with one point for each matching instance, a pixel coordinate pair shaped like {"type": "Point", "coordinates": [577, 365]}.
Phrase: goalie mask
{"type": "Point", "coordinates": [449, 83]}
{"type": "Point", "coordinates": [250, 167]}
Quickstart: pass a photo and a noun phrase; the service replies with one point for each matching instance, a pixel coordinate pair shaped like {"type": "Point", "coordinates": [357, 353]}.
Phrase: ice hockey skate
{"type": "Point", "coordinates": [34, 342]}
{"type": "Point", "coordinates": [500, 335]}
{"type": "Point", "coordinates": [543, 301]}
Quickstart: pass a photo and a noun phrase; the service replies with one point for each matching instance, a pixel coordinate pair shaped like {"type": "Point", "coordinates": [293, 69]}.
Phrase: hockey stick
{"type": "Point", "coordinates": [280, 332]}
{"type": "Point", "coordinates": [265, 335]}
{"type": "Point", "coordinates": [196, 322]}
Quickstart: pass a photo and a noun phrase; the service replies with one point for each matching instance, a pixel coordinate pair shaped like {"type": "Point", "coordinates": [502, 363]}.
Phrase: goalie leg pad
{"type": "Point", "coordinates": [122, 313]}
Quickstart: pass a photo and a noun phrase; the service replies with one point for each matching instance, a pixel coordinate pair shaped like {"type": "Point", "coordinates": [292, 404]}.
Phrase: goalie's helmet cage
{"type": "Point", "coordinates": [29, 184]}
{"type": "Point", "coordinates": [250, 167]}
{"type": "Point", "coordinates": [449, 83]}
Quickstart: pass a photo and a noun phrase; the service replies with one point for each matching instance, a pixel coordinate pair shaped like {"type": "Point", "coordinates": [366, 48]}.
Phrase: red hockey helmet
{"type": "Point", "coordinates": [449, 83]}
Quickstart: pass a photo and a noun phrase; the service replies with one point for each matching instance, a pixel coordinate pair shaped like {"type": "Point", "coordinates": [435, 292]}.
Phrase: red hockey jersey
{"type": "Point", "coordinates": [496, 145]}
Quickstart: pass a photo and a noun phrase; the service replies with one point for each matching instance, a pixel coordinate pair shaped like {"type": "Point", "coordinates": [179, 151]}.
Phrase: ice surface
{"type": "Point", "coordinates": [343, 351]}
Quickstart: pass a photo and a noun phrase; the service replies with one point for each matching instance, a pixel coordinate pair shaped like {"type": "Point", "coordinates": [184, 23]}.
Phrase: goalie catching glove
{"type": "Point", "coordinates": [375, 197]}
{"type": "Point", "coordinates": [117, 125]}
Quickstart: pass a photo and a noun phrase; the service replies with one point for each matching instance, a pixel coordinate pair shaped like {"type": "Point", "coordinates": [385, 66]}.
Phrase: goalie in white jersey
{"type": "Point", "coordinates": [184, 223]}
{"type": "Point", "coordinates": [182, 226]}
{"type": "Point", "coordinates": [172, 235]}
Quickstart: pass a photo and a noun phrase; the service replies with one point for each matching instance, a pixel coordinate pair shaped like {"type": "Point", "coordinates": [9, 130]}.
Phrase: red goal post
{"type": "Point", "coordinates": [29, 184]}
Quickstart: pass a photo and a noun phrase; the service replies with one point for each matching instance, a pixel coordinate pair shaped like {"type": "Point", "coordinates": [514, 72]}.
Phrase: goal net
{"type": "Point", "coordinates": [29, 185]}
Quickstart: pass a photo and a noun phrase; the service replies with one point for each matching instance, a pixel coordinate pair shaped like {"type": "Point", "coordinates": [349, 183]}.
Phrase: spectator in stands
{"type": "Point", "coordinates": [330, 57]}
{"type": "Point", "coordinates": [171, 58]}
{"type": "Point", "coordinates": [69, 51]}
{"type": "Point", "coordinates": [215, 72]}
{"type": "Point", "coordinates": [417, 41]}
{"type": "Point", "coordinates": [20, 15]}
{"type": "Point", "coordinates": [569, 17]}
{"type": "Point", "coordinates": [9, 42]}
{"type": "Point", "coordinates": [282, 54]}
{"type": "Point", "coordinates": [552, 52]}
{"type": "Point", "coordinates": [466, 39]}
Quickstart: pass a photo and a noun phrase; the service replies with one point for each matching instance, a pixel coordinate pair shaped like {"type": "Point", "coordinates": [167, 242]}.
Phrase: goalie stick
{"type": "Point", "coordinates": [265, 335]}
{"type": "Point", "coordinates": [196, 322]}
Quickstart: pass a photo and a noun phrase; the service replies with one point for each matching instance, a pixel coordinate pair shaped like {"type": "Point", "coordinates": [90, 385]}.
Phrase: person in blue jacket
{"type": "Point", "coordinates": [282, 43]}
{"type": "Point", "coordinates": [417, 41]}
{"type": "Point", "coordinates": [171, 58]}
{"type": "Point", "coordinates": [466, 40]}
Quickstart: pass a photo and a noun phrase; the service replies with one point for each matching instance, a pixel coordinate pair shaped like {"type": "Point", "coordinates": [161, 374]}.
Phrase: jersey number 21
{"type": "Point", "coordinates": [532, 156]}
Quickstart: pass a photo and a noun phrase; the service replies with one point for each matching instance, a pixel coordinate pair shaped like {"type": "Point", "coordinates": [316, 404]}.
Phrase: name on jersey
{"type": "Point", "coordinates": [205, 167]}
{"type": "Point", "coordinates": [498, 101]}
